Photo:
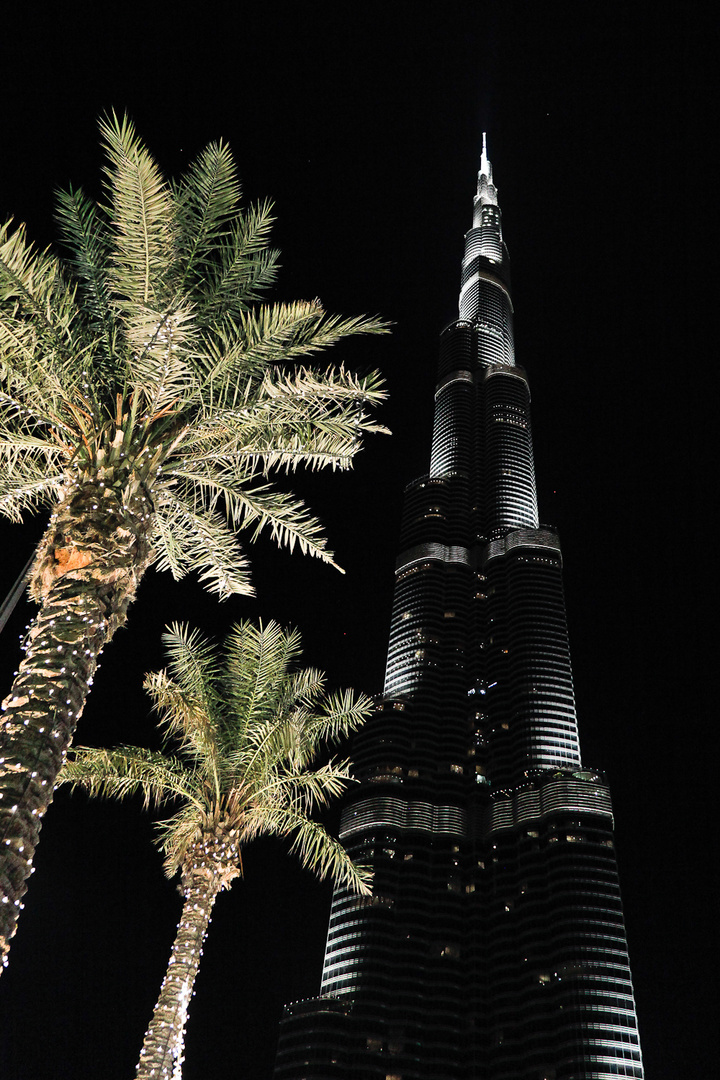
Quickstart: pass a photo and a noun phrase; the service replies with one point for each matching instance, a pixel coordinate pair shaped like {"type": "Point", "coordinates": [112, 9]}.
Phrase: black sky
{"type": "Point", "coordinates": [364, 125]}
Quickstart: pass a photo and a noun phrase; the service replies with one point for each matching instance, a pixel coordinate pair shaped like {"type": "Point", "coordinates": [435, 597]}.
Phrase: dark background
{"type": "Point", "coordinates": [364, 124]}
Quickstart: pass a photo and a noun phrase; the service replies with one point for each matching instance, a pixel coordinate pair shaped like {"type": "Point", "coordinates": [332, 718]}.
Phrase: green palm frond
{"type": "Point", "coordinates": [274, 332]}
{"type": "Point", "coordinates": [261, 507]}
{"type": "Point", "coordinates": [129, 770]}
{"type": "Point", "coordinates": [312, 844]}
{"type": "Point", "coordinates": [190, 700]}
{"type": "Point", "coordinates": [140, 209]}
{"type": "Point", "coordinates": [328, 330]}
{"type": "Point", "coordinates": [18, 341]}
{"type": "Point", "coordinates": [160, 371]}
{"type": "Point", "coordinates": [304, 688]}
{"type": "Point", "coordinates": [185, 718]}
{"type": "Point", "coordinates": [255, 661]}
{"type": "Point", "coordinates": [287, 518]}
{"type": "Point", "coordinates": [29, 477]}
{"type": "Point", "coordinates": [189, 539]}
{"type": "Point", "coordinates": [34, 400]}
{"type": "Point", "coordinates": [32, 281]}
{"type": "Point", "coordinates": [177, 834]}
{"type": "Point", "coordinates": [84, 232]}
{"type": "Point", "coordinates": [268, 332]}
{"type": "Point", "coordinates": [298, 786]}
{"type": "Point", "coordinates": [243, 267]}
{"type": "Point", "coordinates": [343, 713]}
{"type": "Point", "coordinates": [206, 203]}
{"type": "Point", "coordinates": [291, 420]}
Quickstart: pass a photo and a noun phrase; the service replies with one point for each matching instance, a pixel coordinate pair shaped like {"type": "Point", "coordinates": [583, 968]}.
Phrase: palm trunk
{"type": "Point", "coordinates": [85, 576]}
{"type": "Point", "coordinates": [161, 1057]}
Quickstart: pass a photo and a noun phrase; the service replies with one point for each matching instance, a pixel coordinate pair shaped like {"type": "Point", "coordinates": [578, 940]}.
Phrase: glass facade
{"type": "Point", "coordinates": [493, 947]}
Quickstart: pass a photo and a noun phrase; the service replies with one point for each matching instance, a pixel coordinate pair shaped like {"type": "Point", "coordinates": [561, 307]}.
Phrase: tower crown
{"type": "Point", "coordinates": [486, 190]}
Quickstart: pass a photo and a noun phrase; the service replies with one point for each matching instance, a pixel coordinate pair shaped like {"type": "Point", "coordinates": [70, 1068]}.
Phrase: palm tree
{"type": "Point", "coordinates": [249, 731]}
{"type": "Point", "coordinates": [142, 397]}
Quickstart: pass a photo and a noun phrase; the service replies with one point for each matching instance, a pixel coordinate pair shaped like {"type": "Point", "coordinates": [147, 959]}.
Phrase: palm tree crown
{"type": "Point", "coordinates": [241, 735]}
{"type": "Point", "coordinates": [142, 371]}
{"type": "Point", "coordinates": [143, 398]}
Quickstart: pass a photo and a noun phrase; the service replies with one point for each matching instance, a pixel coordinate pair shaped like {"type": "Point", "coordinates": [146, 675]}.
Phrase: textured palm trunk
{"type": "Point", "coordinates": [208, 870]}
{"type": "Point", "coordinates": [85, 576]}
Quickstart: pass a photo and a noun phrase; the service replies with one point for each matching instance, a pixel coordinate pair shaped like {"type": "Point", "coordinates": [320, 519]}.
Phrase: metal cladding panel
{"type": "Point", "coordinates": [565, 795]}
{"type": "Point", "coordinates": [381, 812]}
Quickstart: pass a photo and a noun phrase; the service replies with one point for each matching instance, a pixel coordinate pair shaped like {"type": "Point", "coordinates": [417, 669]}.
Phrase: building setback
{"type": "Point", "coordinates": [493, 946]}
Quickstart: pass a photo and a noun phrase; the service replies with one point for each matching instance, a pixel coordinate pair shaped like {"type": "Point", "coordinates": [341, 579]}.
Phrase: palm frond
{"type": "Point", "coordinates": [141, 214]}
{"type": "Point", "coordinates": [317, 851]}
{"type": "Point", "coordinates": [243, 267]}
{"type": "Point", "coordinates": [177, 834]}
{"type": "Point", "coordinates": [159, 370]}
{"type": "Point", "coordinates": [18, 340]}
{"type": "Point", "coordinates": [260, 508]}
{"type": "Point", "coordinates": [342, 713]}
{"type": "Point", "coordinates": [30, 477]}
{"type": "Point", "coordinates": [308, 788]}
{"type": "Point", "coordinates": [256, 662]}
{"type": "Point", "coordinates": [32, 288]}
{"type": "Point", "coordinates": [85, 233]}
{"type": "Point", "coordinates": [304, 688]}
{"type": "Point", "coordinates": [190, 718]}
{"type": "Point", "coordinates": [129, 770]}
{"type": "Point", "coordinates": [328, 330]}
{"type": "Point", "coordinates": [191, 701]}
{"type": "Point", "coordinates": [206, 203]}
{"type": "Point", "coordinates": [188, 538]}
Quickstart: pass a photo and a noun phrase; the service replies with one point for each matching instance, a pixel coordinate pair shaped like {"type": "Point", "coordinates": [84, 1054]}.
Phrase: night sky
{"type": "Point", "coordinates": [364, 125]}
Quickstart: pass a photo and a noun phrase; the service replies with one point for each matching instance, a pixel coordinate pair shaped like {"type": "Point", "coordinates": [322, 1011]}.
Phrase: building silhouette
{"type": "Point", "coordinates": [493, 946]}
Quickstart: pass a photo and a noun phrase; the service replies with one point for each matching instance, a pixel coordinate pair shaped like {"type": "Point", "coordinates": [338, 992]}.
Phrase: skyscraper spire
{"type": "Point", "coordinates": [486, 190]}
{"type": "Point", "coordinates": [485, 166]}
{"type": "Point", "coordinates": [493, 946]}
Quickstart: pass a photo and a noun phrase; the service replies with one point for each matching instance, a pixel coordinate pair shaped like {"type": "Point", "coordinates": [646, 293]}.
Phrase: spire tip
{"type": "Point", "coordinates": [486, 190]}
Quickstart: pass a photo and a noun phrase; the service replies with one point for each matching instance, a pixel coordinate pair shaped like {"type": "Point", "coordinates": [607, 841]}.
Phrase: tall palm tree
{"type": "Point", "coordinates": [248, 731]}
{"type": "Point", "coordinates": [142, 397]}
